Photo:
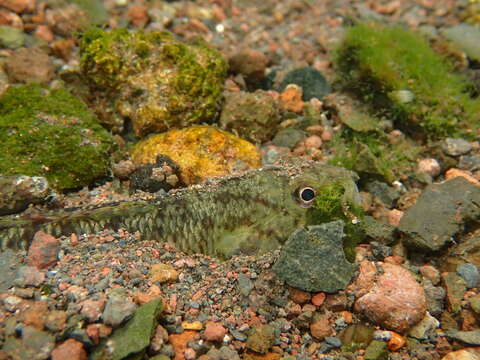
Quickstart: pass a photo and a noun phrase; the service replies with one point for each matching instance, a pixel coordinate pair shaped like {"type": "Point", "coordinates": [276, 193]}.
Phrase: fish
{"type": "Point", "coordinates": [249, 214]}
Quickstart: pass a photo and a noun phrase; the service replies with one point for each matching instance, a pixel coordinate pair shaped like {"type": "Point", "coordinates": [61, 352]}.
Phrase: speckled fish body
{"type": "Point", "coordinates": [248, 214]}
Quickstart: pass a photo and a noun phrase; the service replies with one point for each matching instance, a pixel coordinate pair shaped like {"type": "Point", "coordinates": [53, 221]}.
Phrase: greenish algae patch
{"type": "Point", "coordinates": [373, 155]}
{"type": "Point", "coordinates": [50, 133]}
{"type": "Point", "coordinates": [331, 204]}
{"type": "Point", "coordinates": [151, 78]}
{"type": "Point", "coordinates": [400, 75]}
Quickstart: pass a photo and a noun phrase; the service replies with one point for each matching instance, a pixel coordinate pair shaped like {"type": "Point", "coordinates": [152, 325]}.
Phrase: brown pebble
{"type": "Point", "coordinates": [43, 251]}
{"type": "Point", "coordinates": [30, 65]}
{"type": "Point", "coordinates": [44, 33]}
{"type": "Point", "coordinates": [313, 141]}
{"type": "Point", "coordinates": [320, 328]}
{"type": "Point", "coordinates": [214, 331]}
{"type": "Point", "coordinates": [394, 216]}
{"type": "Point", "coordinates": [318, 299]}
{"type": "Point", "coordinates": [299, 296]}
{"type": "Point", "coordinates": [71, 350]}
{"type": "Point", "coordinates": [18, 6]}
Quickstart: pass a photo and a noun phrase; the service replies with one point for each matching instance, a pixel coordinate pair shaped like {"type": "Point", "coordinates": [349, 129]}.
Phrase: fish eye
{"type": "Point", "coordinates": [306, 195]}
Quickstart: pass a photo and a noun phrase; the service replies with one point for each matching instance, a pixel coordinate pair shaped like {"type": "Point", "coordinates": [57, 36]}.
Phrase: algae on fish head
{"type": "Point", "coordinates": [249, 214]}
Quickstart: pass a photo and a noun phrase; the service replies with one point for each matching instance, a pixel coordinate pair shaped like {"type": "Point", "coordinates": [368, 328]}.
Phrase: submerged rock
{"type": "Point", "coordinates": [50, 133]}
{"type": "Point", "coordinates": [313, 259]}
{"type": "Point", "coordinates": [200, 151]}
{"type": "Point", "coordinates": [253, 116]}
{"type": "Point", "coordinates": [151, 78]}
{"type": "Point", "coordinates": [134, 337]}
{"type": "Point", "coordinates": [312, 82]}
{"type": "Point", "coordinates": [389, 295]}
{"type": "Point", "coordinates": [440, 213]}
{"type": "Point", "coordinates": [17, 192]}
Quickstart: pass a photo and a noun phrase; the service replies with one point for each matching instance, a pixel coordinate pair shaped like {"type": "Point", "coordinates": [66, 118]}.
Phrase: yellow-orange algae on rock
{"type": "Point", "coordinates": [200, 151]}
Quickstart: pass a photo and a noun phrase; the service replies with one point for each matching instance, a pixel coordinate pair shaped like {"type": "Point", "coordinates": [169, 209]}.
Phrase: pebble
{"type": "Point", "coordinates": [392, 299]}
{"type": "Point", "coordinates": [469, 162]}
{"type": "Point", "coordinates": [250, 63]}
{"type": "Point", "coordinates": [12, 303]}
{"type": "Point", "coordinates": [311, 81]}
{"type": "Point", "coordinates": [320, 328]}
{"type": "Point", "coordinates": [245, 285]}
{"type": "Point", "coordinates": [261, 338]}
{"type": "Point", "coordinates": [70, 349]}
{"type": "Point", "coordinates": [453, 173]}
{"type": "Point", "coordinates": [466, 37]}
{"type": "Point", "coordinates": [43, 251]}
{"type": "Point", "coordinates": [30, 65]}
{"type": "Point", "coordinates": [29, 276]}
{"type": "Point", "coordinates": [456, 147]}
{"type": "Point", "coordinates": [429, 166]}
{"type": "Point", "coordinates": [318, 299]}
{"type": "Point", "coordinates": [424, 328]}
{"type": "Point", "coordinates": [396, 341]}
{"type": "Point", "coordinates": [291, 99]}
{"type": "Point", "coordinates": [431, 273]}
{"type": "Point", "coordinates": [92, 309]}
{"type": "Point", "coordinates": [214, 332]}
{"type": "Point", "coordinates": [467, 337]}
{"type": "Point", "coordinates": [475, 303]}
{"type": "Point", "coordinates": [470, 274]}
{"type": "Point", "coordinates": [11, 38]}
{"type": "Point", "coordinates": [456, 288]}
{"type": "Point", "coordinates": [163, 273]}
{"type": "Point", "coordinates": [117, 310]}
{"type": "Point", "coordinates": [464, 354]}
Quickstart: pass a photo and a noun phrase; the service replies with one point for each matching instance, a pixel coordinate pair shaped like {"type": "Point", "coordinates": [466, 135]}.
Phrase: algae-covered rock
{"type": "Point", "coordinates": [52, 134]}
{"type": "Point", "coordinates": [133, 338]}
{"type": "Point", "coordinates": [440, 213]}
{"type": "Point", "coordinates": [151, 78]}
{"type": "Point", "coordinates": [200, 151]}
{"type": "Point", "coordinates": [253, 116]}
{"type": "Point", "coordinates": [313, 259]}
{"type": "Point", "coordinates": [312, 82]}
{"type": "Point", "coordinates": [398, 72]}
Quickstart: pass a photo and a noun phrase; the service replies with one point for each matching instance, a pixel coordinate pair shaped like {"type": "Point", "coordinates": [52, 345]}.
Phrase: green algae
{"type": "Point", "coordinates": [382, 64]}
{"type": "Point", "coordinates": [373, 155]}
{"type": "Point", "coordinates": [151, 78]}
{"type": "Point", "coordinates": [330, 205]}
{"type": "Point", "coordinates": [50, 133]}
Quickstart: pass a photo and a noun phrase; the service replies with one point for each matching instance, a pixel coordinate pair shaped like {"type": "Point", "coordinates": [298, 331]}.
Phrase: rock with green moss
{"type": "Point", "coordinates": [132, 339]}
{"type": "Point", "coordinates": [313, 260]}
{"type": "Point", "coordinates": [52, 134]}
{"type": "Point", "coordinates": [253, 116]}
{"type": "Point", "coordinates": [151, 78]}
{"type": "Point", "coordinates": [399, 74]}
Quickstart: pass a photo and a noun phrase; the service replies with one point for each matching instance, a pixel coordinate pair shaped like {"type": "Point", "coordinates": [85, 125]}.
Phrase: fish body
{"type": "Point", "coordinates": [248, 214]}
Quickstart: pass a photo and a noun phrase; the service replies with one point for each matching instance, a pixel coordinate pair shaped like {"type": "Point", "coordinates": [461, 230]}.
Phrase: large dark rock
{"type": "Point", "coordinates": [441, 212]}
{"type": "Point", "coordinates": [313, 259]}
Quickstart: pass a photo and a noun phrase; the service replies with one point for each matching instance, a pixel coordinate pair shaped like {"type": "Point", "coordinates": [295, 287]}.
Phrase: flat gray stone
{"type": "Point", "coordinates": [465, 36]}
{"type": "Point", "coordinates": [440, 213]}
{"type": "Point", "coordinates": [313, 260]}
{"type": "Point", "coordinates": [468, 337]}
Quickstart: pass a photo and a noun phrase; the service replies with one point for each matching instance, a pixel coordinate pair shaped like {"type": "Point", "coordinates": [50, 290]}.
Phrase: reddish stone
{"type": "Point", "coordinates": [393, 299]}
{"type": "Point", "coordinates": [299, 296]}
{"type": "Point", "coordinates": [431, 273]}
{"type": "Point", "coordinates": [179, 342]}
{"type": "Point", "coordinates": [43, 32]}
{"type": "Point", "coordinates": [318, 299]}
{"type": "Point", "coordinates": [138, 15]}
{"type": "Point", "coordinates": [250, 63]}
{"type": "Point", "coordinates": [452, 173]}
{"type": "Point", "coordinates": [214, 331]}
{"type": "Point", "coordinates": [291, 99]}
{"type": "Point", "coordinates": [9, 18]}
{"type": "Point", "coordinates": [92, 309]}
{"type": "Point", "coordinates": [43, 251]}
{"type": "Point", "coordinates": [71, 350]}
{"type": "Point", "coordinates": [18, 6]}
{"type": "Point", "coordinates": [394, 216]}
{"type": "Point", "coordinates": [396, 341]}
{"type": "Point", "coordinates": [35, 315]}
{"type": "Point", "coordinates": [320, 328]}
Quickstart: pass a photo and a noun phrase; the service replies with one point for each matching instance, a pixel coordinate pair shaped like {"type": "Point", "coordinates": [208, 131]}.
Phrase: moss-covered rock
{"type": "Point", "coordinates": [399, 74]}
{"type": "Point", "coordinates": [253, 116]}
{"type": "Point", "coordinates": [200, 151]}
{"type": "Point", "coordinates": [151, 78]}
{"type": "Point", "coordinates": [50, 133]}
